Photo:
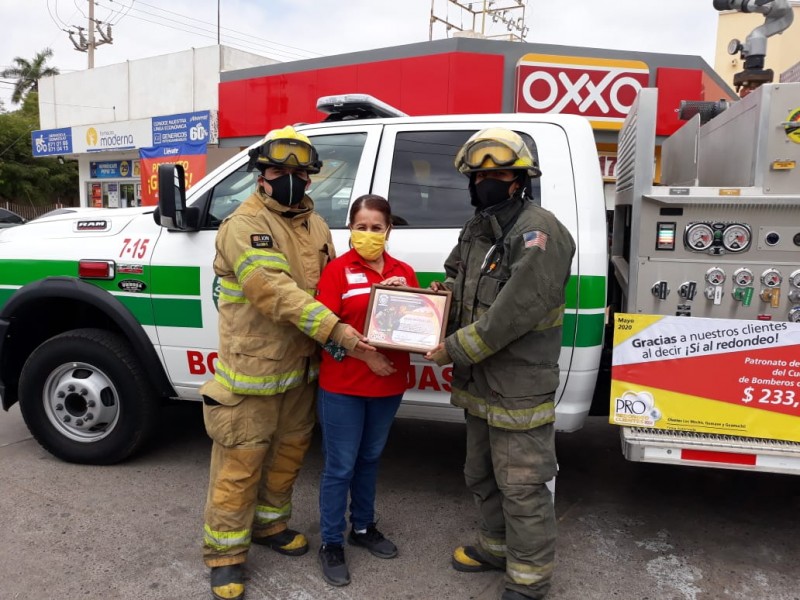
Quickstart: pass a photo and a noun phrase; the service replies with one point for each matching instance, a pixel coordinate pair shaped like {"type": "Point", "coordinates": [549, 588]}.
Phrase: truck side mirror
{"type": "Point", "coordinates": [172, 210]}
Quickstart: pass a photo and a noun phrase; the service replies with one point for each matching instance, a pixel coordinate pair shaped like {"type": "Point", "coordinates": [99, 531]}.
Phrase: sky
{"type": "Point", "coordinates": [288, 30]}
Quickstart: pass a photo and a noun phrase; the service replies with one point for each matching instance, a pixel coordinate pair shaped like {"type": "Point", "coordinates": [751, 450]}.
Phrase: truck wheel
{"type": "Point", "coordinates": [85, 398]}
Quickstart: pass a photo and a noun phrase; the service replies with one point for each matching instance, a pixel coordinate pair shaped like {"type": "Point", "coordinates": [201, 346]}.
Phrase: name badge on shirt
{"type": "Point", "coordinates": [353, 277]}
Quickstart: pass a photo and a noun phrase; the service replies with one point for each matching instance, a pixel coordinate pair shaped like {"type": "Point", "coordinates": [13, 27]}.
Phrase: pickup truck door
{"type": "Point", "coordinates": [415, 172]}
{"type": "Point", "coordinates": [188, 338]}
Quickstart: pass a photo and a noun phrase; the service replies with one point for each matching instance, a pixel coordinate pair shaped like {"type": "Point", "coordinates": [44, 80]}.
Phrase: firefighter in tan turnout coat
{"type": "Point", "coordinates": [507, 274]}
{"type": "Point", "coordinates": [259, 408]}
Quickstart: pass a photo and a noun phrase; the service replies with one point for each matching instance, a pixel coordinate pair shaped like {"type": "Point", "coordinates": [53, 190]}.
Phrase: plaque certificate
{"type": "Point", "coordinates": [404, 318]}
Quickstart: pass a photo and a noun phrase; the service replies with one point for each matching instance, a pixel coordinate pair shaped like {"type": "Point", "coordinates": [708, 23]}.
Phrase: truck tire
{"type": "Point", "coordinates": [85, 398]}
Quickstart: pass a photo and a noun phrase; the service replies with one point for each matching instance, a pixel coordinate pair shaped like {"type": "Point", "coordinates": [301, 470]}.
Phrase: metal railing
{"type": "Point", "coordinates": [28, 211]}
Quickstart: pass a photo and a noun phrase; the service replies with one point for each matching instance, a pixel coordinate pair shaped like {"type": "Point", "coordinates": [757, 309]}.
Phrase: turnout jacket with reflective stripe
{"type": "Point", "coordinates": [269, 259]}
{"type": "Point", "coordinates": [506, 314]}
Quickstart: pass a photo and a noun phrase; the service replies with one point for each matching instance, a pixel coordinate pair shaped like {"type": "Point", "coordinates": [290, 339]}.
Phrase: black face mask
{"type": "Point", "coordinates": [490, 192]}
{"type": "Point", "coordinates": [288, 189]}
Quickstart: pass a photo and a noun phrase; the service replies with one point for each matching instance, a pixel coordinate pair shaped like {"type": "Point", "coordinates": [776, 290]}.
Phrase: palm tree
{"type": "Point", "coordinates": [28, 73]}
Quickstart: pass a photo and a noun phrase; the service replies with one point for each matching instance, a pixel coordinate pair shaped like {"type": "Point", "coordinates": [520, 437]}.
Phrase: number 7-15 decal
{"type": "Point", "coordinates": [134, 248]}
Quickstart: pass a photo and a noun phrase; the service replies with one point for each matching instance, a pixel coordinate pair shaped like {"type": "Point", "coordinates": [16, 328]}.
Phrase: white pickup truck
{"type": "Point", "coordinates": [105, 312]}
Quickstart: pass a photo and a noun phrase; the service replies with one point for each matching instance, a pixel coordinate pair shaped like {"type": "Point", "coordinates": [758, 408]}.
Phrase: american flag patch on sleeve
{"type": "Point", "coordinates": [535, 238]}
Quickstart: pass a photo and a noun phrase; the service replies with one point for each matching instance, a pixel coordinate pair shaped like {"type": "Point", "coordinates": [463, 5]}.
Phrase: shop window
{"type": "Point", "coordinates": [425, 189]}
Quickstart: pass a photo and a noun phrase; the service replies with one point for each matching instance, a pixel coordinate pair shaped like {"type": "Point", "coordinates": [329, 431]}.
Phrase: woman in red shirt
{"type": "Point", "coordinates": [359, 395]}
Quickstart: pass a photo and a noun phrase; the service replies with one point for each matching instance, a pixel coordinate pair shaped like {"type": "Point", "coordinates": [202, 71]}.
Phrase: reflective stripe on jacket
{"type": "Point", "coordinates": [268, 258]}
{"type": "Point", "coordinates": [505, 320]}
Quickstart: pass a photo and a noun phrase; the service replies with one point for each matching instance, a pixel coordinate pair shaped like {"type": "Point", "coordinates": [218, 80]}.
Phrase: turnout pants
{"type": "Point", "coordinates": [259, 446]}
{"type": "Point", "coordinates": [506, 472]}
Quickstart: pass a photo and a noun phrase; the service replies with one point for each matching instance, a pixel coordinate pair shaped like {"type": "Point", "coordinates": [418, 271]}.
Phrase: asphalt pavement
{"type": "Point", "coordinates": [627, 531]}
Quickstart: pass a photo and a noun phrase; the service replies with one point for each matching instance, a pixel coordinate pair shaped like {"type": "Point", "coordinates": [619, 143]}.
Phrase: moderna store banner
{"type": "Point", "coordinates": [191, 156]}
{"type": "Point", "coordinates": [720, 376]}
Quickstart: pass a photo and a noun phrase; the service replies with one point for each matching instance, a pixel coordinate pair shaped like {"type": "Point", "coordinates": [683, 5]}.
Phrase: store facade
{"type": "Point", "coordinates": [468, 75]}
{"type": "Point", "coordinates": [151, 111]}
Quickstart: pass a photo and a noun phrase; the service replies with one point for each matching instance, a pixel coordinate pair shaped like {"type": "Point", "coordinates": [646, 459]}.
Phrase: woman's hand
{"type": "Point", "coordinates": [379, 364]}
{"type": "Point", "coordinates": [396, 280]}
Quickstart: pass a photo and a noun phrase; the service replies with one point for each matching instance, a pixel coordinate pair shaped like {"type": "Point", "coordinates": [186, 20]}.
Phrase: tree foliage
{"type": "Point", "coordinates": [28, 73]}
{"type": "Point", "coordinates": [23, 178]}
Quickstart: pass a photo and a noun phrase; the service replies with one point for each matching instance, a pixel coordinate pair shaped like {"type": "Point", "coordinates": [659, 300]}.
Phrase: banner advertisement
{"type": "Point", "coordinates": [122, 135]}
{"type": "Point", "coordinates": [49, 142]}
{"type": "Point", "coordinates": [97, 195]}
{"type": "Point", "coordinates": [192, 157]}
{"type": "Point", "coordinates": [114, 169]}
{"type": "Point", "coordinates": [182, 128]}
{"type": "Point", "coordinates": [719, 376]}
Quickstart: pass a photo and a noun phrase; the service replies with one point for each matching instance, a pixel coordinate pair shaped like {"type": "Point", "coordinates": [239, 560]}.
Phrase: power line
{"type": "Point", "coordinates": [78, 105]}
{"type": "Point", "coordinates": [75, 2]}
{"type": "Point", "coordinates": [240, 45]}
{"type": "Point", "coordinates": [244, 42]}
{"type": "Point", "coordinates": [14, 143]}
{"type": "Point", "coordinates": [57, 20]}
{"type": "Point", "coordinates": [227, 28]}
{"type": "Point", "coordinates": [120, 12]}
{"type": "Point", "coordinates": [50, 45]}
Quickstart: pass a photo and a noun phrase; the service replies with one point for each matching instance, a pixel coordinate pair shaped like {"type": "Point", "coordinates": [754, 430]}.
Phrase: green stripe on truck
{"type": "Point", "coordinates": [23, 272]}
{"type": "Point", "coordinates": [160, 280]}
{"type": "Point", "coordinates": [590, 330]}
{"type": "Point", "coordinates": [592, 288]}
{"type": "Point", "coordinates": [178, 313]}
{"type": "Point", "coordinates": [175, 281]}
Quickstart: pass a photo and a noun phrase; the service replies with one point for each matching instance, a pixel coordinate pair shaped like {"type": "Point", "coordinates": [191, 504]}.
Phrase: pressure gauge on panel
{"type": "Point", "coordinates": [743, 277]}
{"type": "Point", "coordinates": [736, 237]}
{"type": "Point", "coordinates": [794, 279]}
{"type": "Point", "coordinates": [699, 237]}
{"type": "Point", "coordinates": [772, 278]}
{"type": "Point", "coordinates": [715, 276]}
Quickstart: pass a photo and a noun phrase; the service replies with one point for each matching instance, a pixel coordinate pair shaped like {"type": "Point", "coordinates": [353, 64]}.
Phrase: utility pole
{"type": "Point", "coordinates": [510, 13]}
{"type": "Point", "coordinates": [82, 44]}
{"type": "Point", "coordinates": [90, 49]}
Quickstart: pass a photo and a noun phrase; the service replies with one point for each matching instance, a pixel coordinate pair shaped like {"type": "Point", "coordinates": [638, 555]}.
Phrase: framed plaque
{"type": "Point", "coordinates": [405, 318]}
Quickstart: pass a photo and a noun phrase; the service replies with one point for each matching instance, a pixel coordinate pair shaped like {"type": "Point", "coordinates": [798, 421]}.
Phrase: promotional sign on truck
{"type": "Point", "coordinates": [718, 376]}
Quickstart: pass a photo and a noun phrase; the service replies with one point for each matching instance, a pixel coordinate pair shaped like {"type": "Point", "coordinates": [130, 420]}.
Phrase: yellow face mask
{"type": "Point", "coordinates": [368, 244]}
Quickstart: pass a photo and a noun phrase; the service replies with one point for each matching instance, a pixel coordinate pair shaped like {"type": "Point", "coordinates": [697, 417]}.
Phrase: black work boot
{"type": "Point", "coordinates": [227, 583]}
{"type": "Point", "coordinates": [288, 542]}
{"type": "Point", "coordinates": [334, 566]}
{"type": "Point", "coordinates": [373, 541]}
{"type": "Point", "coordinates": [468, 559]}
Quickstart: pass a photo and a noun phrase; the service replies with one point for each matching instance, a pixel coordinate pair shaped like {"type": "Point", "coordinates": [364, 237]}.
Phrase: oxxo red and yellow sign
{"type": "Point", "coordinates": [718, 376]}
{"type": "Point", "coordinates": [600, 89]}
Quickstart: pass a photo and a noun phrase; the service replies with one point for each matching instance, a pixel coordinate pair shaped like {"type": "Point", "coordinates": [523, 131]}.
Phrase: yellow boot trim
{"type": "Point", "coordinates": [299, 541]}
{"type": "Point", "coordinates": [229, 591]}
{"type": "Point", "coordinates": [460, 556]}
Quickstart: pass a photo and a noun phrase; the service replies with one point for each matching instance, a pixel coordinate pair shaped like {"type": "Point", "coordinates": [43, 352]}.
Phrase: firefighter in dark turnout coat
{"type": "Point", "coordinates": [507, 274]}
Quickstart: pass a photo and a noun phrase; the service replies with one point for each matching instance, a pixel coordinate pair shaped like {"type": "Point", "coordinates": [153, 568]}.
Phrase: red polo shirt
{"type": "Point", "coordinates": [344, 288]}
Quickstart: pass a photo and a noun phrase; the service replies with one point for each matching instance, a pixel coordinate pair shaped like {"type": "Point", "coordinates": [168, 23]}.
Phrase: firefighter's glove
{"type": "Point", "coordinates": [345, 336]}
{"type": "Point", "coordinates": [439, 355]}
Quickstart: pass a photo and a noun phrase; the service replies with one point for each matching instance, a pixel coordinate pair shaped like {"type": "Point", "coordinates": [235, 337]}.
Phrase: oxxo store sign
{"type": "Point", "coordinates": [603, 90]}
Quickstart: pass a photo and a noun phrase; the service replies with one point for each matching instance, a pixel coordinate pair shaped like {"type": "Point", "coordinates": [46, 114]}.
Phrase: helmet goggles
{"type": "Point", "coordinates": [499, 153]}
{"type": "Point", "coordinates": [291, 153]}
